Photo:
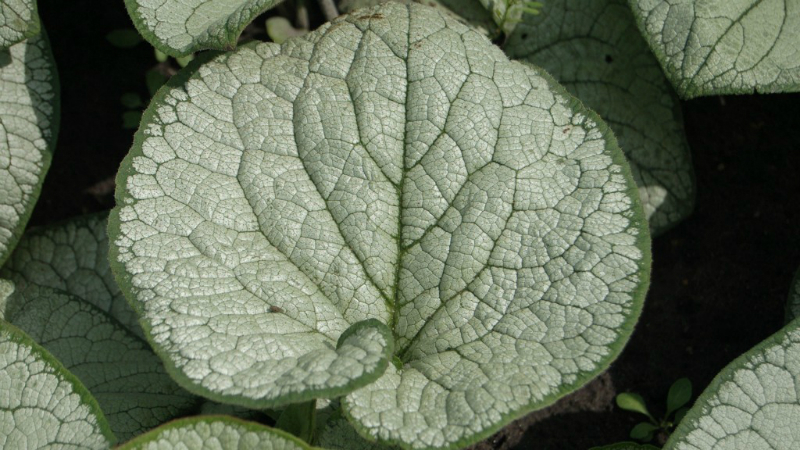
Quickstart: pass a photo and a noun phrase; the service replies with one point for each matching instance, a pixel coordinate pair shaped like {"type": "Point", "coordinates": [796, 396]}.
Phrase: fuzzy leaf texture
{"type": "Point", "coordinates": [712, 47]}
{"type": "Point", "coordinates": [116, 365]}
{"type": "Point", "coordinates": [72, 257]}
{"type": "Point", "coordinates": [119, 369]}
{"type": "Point", "coordinates": [18, 21]}
{"type": "Point", "coordinates": [594, 49]}
{"type": "Point", "coordinates": [42, 405]}
{"type": "Point", "coordinates": [29, 109]}
{"type": "Point", "coordinates": [752, 403]}
{"type": "Point", "coordinates": [392, 168]}
{"type": "Point", "coordinates": [215, 432]}
{"type": "Point", "coordinates": [179, 28]}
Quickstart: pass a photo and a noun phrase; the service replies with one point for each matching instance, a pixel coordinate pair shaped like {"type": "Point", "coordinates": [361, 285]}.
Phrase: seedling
{"type": "Point", "coordinates": [678, 396]}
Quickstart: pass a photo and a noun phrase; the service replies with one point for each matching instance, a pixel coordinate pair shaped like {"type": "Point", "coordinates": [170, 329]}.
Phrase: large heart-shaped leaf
{"type": "Point", "coordinates": [394, 166]}
{"type": "Point", "coordinates": [754, 403]}
{"type": "Point", "coordinates": [72, 256]}
{"type": "Point", "coordinates": [28, 128]}
{"type": "Point", "coordinates": [120, 370]}
{"type": "Point", "coordinates": [42, 405]}
{"type": "Point", "coordinates": [710, 47]}
{"type": "Point", "coordinates": [593, 48]}
{"type": "Point", "coordinates": [215, 432]}
{"type": "Point", "coordinates": [179, 28]}
{"type": "Point", "coordinates": [18, 21]}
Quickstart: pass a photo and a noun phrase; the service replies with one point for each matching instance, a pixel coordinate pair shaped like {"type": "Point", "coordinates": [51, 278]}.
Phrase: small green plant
{"type": "Point", "coordinates": [678, 396]}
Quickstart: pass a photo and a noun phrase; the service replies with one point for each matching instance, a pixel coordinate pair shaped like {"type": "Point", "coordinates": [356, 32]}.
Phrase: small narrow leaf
{"type": "Point", "coordinates": [29, 109]}
{"type": "Point", "coordinates": [124, 38]}
{"type": "Point", "coordinates": [680, 415]}
{"type": "Point", "coordinates": [131, 100]}
{"type": "Point", "coordinates": [179, 28]}
{"type": "Point", "coordinates": [712, 47]}
{"type": "Point", "coordinates": [752, 404]}
{"type": "Point", "coordinates": [679, 395]}
{"type": "Point", "coordinates": [42, 405]}
{"type": "Point", "coordinates": [213, 433]}
{"type": "Point", "coordinates": [643, 431]}
{"type": "Point", "coordinates": [18, 21]}
{"type": "Point", "coordinates": [632, 402]}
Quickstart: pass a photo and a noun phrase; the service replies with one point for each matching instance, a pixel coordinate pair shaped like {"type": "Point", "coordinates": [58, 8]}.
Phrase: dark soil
{"type": "Point", "coordinates": [719, 280]}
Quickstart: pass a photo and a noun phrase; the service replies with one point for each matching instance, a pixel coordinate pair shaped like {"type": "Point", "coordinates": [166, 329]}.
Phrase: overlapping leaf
{"type": "Point", "coordinates": [392, 165]}
{"type": "Point", "coordinates": [120, 370]}
{"type": "Point", "coordinates": [754, 403]}
{"type": "Point", "coordinates": [215, 432]}
{"type": "Point", "coordinates": [28, 128]}
{"type": "Point", "coordinates": [42, 405]}
{"type": "Point", "coordinates": [712, 47]}
{"type": "Point", "coordinates": [594, 49]}
{"type": "Point", "coordinates": [179, 28]}
{"type": "Point", "coordinates": [72, 257]}
{"type": "Point", "coordinates": [51, 267]}
{"type": "Point", "coordinates": [18, 21]}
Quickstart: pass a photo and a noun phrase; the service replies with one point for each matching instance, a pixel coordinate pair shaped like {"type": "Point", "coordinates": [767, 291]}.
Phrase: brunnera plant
{"type": "Point", "coordinates": [386, 210]}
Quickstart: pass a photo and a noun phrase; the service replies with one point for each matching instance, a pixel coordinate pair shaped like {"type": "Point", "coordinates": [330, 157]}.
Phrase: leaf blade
{"type": "Point", "coordinates": [181, 28]}
{"type": "Point", "coordinates": [320, 189]}
{"type": "Point", "coordinates": [29, 116]}
{"type": "Point", "coordinates": [720, 47]}
{"type": "Point", "coordinates": [597, 53]}
{"type": "Point", "coordinates": [40, 391]}
{"type": "Point", "coordinates": [212, 432]}
{"type": "Point", "coordinates": [754, 397]}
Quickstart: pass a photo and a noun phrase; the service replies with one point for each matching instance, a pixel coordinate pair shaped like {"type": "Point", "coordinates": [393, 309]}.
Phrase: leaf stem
{"type": "Point", "coordinates": [299, 419]}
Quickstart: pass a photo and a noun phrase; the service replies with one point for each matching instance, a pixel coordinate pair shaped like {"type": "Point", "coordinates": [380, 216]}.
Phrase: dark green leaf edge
{"type": "Point", "coordinates": [10, 310]}
{"type": "Point", "coordinates": [33, 27]}
{"type": "Point", "coordinates": [643, 243]}
{"type": "Point", "coordinates": [151, 436]}
{"type": "Point", "coordinates": [55, 122]}
{"type": "Point", "coordinates": [725, 375]}
{"type": "Point", "coordinates": [126, 284]}
{"type": "Point", "coordinates": [20, 337]}
{"type": "Point", "coordinates": [226, 44]}
{"type": "Point", "coordinates": [638, 221]}
{"type": "Point", "coordinates": [686, 88]}
{"type": "Point", "coordinates": [683, 208]}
